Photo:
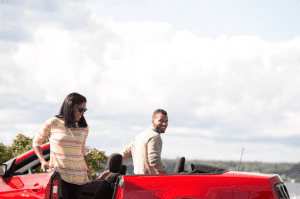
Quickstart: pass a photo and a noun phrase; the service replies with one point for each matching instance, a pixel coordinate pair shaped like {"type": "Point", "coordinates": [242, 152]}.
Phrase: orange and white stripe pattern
{"type": "Point", "coordinates": [67, 149]}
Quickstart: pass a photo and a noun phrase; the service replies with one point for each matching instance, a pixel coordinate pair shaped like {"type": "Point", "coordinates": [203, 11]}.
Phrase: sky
{"type": "Point", "coordinates": [227, 73]}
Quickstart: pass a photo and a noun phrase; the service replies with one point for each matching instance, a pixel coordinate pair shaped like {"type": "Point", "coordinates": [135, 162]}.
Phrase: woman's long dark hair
{"type": "Point", "coordinates": [67, 110]}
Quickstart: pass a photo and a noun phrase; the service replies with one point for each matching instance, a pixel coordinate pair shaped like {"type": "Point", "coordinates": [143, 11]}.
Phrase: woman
{"type": "Point", "coordinates": [67, 133]}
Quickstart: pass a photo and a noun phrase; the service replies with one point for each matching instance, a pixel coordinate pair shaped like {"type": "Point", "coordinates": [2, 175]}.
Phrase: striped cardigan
{"type": "Point", "coordinates": [67, 149]}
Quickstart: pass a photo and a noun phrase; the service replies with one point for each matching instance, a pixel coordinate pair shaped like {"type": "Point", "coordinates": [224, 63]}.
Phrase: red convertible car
{"type": "Point", "coordinates": [19, 180]}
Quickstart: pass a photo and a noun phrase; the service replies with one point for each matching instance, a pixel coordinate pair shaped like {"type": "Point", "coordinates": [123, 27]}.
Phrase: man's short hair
{"type": "Point", "coordinates": [159, 111]}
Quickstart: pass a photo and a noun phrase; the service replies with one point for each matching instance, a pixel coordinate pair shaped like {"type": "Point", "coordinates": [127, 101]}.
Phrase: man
{"type": "Point", "coordinates": [145, 149]}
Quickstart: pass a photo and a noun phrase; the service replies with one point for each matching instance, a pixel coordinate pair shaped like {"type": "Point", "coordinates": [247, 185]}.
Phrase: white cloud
{"type": "Point", "coordinates": [209, 149]}
{"type": "Point", "coordinates": [203, 132]}
{"type": "Point", "coordinates": [9, 115]}
{"type": "Point", "coordinates": [237, 87]}
{"type": "Point", "coordinates": [7, 137]}
{"type": "Point", "coordinates": [10, 130]}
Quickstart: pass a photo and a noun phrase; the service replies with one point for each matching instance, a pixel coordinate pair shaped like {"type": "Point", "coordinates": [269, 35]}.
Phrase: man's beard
{"type": "Point", "coordinates": [162, 131]}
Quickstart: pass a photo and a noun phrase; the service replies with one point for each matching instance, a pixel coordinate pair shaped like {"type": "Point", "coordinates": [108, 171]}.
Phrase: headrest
{"type": "Point", "coordinates": [114, 163]}
{"type": "Point", "coordinates": [123, 170]}
{"type": "Point", "coordinates": [180, 165]}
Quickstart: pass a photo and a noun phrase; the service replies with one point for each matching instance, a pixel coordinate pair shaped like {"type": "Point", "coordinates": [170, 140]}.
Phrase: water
{"type": "Point", "coordinates": [293, 189]}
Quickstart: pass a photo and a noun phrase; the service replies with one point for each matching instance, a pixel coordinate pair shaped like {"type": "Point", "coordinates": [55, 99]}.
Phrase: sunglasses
{"type": "Point", "coordinates": [81, 109]}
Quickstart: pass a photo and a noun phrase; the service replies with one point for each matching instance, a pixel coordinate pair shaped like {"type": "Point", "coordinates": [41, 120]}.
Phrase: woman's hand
{"type": "Point", "coordinates": [88, 169]}
{"type": "Point", "coordinates": [89, 176]}
{"type": "Point", "coordinates": [39, 154]}
{"type": "Point", "coordinates": [44, 166]}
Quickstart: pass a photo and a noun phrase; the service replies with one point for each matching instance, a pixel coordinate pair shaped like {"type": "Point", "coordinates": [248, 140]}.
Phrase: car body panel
{"type": "Point", "coordinates": [31, 186]}
{"type": "Point", "coordinates": [225, 185]}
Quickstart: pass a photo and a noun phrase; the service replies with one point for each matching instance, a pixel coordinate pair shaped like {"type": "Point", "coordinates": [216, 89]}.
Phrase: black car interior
{"type": "Point", "coordinates": [197, 168]}
{"type": "Point", "coordinates": [30, 164]}
{"type": "Point", "coordinates": [104, 188]}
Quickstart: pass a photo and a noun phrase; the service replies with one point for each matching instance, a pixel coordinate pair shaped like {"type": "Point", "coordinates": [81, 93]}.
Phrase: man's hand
{"type": "Point", "coordinates": [104, 174]}
{"type": "Point", "coordinates": [162, 172]}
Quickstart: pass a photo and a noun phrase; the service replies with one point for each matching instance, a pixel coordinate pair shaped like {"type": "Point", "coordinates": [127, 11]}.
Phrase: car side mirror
{"type": "Point", "coordinates": [3, 168]}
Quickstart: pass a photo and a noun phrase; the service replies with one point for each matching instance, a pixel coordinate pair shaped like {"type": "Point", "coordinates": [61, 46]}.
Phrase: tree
{"type": "Point", "coordinates": [5, 155]}
{"type": "Point", "coordinates": [95, 157]}
{"type": "Point", "coordinates": [20, 145]}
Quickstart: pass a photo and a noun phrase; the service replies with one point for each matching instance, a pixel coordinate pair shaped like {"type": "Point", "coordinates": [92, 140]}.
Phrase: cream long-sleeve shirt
{"type": "Point", "coordinates": [145, 151]}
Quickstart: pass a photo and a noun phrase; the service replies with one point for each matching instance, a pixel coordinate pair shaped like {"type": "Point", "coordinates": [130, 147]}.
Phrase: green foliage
{"type": "Point", "coordinates": [46, 140]}
{"type": "Point", "coordinates": [5, 155]}
{"type": "Point", "coordinates": [20, 145]}
{"type": "Point", "coordinates": [95, 157]}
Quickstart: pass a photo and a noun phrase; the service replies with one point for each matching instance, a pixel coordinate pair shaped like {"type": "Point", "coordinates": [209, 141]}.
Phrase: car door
{"type": "Point", "coordinates": [25, 186]}
{"type": "Point", "coordinates": [21, 181]}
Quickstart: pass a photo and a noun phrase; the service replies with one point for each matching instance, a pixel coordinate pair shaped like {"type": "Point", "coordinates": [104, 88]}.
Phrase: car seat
{"type": "Point", "coordinates": [114, 164]}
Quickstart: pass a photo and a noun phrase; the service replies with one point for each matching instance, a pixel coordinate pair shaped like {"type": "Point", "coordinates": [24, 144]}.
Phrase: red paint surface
{"type": "Point", "coordinates": [119, 193]}
{"type": "Point", "coordinates": [25, 186]}
{"type": "Point", "coordinates": [222, 186]}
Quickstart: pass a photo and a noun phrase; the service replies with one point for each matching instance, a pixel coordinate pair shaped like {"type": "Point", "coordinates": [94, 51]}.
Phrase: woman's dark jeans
{"type": "Point", "coordinates": [70, 191]}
